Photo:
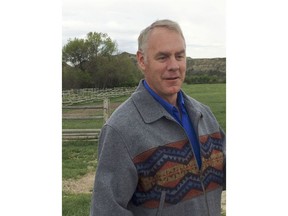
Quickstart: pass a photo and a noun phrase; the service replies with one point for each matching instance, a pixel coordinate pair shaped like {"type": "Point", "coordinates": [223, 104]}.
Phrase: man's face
{"type": "Point", "coordinates": [165, 65]}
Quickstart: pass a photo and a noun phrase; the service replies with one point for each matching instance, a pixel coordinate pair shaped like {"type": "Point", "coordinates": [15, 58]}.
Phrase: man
{"type": "Point", "coordinates": [161, 152]}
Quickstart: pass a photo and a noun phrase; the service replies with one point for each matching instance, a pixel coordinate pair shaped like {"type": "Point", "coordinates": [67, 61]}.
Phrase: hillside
{"type": "Point", "coordinates": [206, 65]}
{"type": "Point", "coordinates": [198, 65]}
{"type": "Point", "coordinates": [122, 70]}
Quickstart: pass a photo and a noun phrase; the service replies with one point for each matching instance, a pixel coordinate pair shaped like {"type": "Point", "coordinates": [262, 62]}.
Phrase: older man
{"type": "Point", "coordinates": [161, 152]}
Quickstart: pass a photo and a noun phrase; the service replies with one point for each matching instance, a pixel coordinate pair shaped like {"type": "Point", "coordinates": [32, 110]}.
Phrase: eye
{"type": "Point", "coordinates": [180, 57]}
{"type": "Point", "coordinates": [162, 58]}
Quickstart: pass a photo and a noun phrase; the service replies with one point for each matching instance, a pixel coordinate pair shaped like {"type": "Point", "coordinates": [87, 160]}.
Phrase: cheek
{"type": "Point", "coordinates": [155, 70]}
{"type": "Point", "coordinates": [183, 70]}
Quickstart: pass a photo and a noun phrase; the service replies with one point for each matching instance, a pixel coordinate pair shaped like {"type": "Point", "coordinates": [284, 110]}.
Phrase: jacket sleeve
{"type": "Point", "coordinates": [116, 176]}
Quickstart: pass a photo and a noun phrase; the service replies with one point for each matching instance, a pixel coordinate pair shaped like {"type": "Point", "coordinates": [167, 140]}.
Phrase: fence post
{"type": "Point", "coordinates": [106, 109]}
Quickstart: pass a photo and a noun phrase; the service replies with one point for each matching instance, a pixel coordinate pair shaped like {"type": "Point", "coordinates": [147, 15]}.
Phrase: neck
{"type": "Point", "coordinates": [172, 99]}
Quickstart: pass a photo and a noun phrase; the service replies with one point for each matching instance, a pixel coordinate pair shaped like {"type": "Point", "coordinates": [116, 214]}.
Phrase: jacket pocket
{"type": "Point", "coordinates": [161, 204]}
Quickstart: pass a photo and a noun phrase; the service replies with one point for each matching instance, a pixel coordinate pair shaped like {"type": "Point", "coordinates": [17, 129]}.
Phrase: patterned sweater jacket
{"type": "Point", "coordinates": [146, 165]}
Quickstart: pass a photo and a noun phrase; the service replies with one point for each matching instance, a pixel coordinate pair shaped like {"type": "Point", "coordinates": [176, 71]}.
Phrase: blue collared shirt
{"type": "Point", "coordinates": [181, 117]}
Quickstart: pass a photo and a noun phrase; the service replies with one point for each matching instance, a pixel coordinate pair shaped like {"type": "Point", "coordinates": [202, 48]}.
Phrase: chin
{"type": "Point", "coordinates": [173, 89]}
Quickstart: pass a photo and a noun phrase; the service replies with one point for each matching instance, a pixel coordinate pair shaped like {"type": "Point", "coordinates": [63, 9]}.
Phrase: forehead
{"type": "Point", "coordinates": [164, 38]}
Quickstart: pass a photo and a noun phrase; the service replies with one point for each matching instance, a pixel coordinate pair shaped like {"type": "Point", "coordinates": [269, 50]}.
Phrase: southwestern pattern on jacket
{"type": "Point", "coordinates": [172, 168]}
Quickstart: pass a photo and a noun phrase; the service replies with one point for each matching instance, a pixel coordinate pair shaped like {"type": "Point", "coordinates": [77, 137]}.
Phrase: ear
{"type": "Point", "coordinates": [140, 60]}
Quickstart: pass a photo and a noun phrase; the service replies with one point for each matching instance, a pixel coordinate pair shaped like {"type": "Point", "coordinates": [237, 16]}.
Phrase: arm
{"type": "Point", "coordinates": [116, 176]}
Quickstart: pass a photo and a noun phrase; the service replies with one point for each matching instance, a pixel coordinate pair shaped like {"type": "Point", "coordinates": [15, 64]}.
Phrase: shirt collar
{"type": "Point", "coordinates": [169, 107]}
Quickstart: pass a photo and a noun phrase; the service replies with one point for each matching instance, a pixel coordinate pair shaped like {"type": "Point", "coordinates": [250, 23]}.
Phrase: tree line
{"type": "Point", "coordinates": [95, 62]}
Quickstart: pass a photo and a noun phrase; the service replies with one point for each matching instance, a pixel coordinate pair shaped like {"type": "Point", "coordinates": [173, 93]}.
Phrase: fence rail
{"type": "Point", "coordinates": [71, 100]}
{"type": "Point", "coordinates": [76, 96]}
{"type": "Point", "coordinates": [75, 134]}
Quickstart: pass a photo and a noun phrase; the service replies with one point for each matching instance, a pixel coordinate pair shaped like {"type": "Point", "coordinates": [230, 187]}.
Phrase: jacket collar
{"type": "Point", "coordinates": [148, 107]}
{"type": "Point", "coordinates": [151, 110]}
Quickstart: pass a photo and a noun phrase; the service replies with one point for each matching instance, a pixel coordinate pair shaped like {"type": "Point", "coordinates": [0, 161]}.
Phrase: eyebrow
{"type": "Point", "coordinates": [168, 53]}
{"type": "Point", "coordinates": [181, 52]}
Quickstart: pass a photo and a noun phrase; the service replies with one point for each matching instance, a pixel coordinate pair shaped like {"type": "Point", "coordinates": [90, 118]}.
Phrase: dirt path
{"type": "Point", "coordinates": [82, 185]}
{"type": "Point", "coordinates": [223, 202]}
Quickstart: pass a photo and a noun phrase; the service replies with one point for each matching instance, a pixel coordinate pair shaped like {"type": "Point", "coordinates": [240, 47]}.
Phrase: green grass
{"type": "Point", "coordinates": [76, 204]}
{"type": "Point", "coordinates": [119, 99]}
{"type": "Point", "coordinates": [81, 124]}
{"type": "Point", "coordinates": [78, 158]}
{"type": "Point", "coordinates": [212, 95]}
{"type": "Point", "coordinates": [88, 124]}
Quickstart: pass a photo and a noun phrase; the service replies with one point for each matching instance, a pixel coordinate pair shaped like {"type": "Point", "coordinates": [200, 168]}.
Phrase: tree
{"type": "Point", "coordinates": [117, 71]}
{"type": "Point", "coordinates": [96, 58]}
{"type": "Point", "coordinates": [75, 52]}
{"type": "Point", "coordinates": [78, 51]}
{"type": "Point", "coordinates": [100, 44]}
{"type": "Point", "coordinates": [82, 52]}
{"type": "Point", "coordinates": [74, 78]}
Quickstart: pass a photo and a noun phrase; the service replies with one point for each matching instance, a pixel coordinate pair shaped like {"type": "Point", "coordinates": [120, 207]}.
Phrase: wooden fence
{"type": "Point", "coordinates": [76, 96]}
{"type": "Point", "coordinates": [71, 99]}
{"type": "Point", "coordinates": [76, 134]}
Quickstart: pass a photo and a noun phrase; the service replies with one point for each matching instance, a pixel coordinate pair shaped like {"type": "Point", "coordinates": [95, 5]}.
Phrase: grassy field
{"type": "Point", "coordinates": [212, 95]}
{"type": "Point", "coordinates": [79, 158]}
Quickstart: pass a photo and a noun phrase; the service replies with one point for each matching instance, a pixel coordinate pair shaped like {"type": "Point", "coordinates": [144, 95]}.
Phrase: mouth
{"type": "Point", "coordinates": [171, 78]}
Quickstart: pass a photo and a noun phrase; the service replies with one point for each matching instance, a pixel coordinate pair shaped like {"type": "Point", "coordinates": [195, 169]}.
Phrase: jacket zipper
{"type": "Point", "coordinates": [204, 191]}
{"type": "Point", "coordinates": [200, 169]}
{"type": "Point", "coordinates": [161, 204]}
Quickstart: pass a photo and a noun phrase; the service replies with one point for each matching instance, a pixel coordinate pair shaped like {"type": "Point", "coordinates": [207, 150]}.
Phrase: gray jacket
{"type": "Point", "coordinates": [146, 165]}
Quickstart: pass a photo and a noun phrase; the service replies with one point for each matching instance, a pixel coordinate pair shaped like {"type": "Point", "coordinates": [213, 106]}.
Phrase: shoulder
{"type": "Point", "coordinates": [122, 112]}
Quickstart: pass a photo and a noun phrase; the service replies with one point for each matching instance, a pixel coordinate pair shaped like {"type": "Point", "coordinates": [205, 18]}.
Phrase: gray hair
{"type": "Point", "coordinates": [144, 35]}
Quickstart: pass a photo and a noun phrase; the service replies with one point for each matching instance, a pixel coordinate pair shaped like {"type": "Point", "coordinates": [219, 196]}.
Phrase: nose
{"type": "Point", "coordinates": [173, 64]}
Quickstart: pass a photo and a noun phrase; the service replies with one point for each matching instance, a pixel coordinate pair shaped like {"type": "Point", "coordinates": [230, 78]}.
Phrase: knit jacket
{"type": "Point", "coordinates": [146, 165]}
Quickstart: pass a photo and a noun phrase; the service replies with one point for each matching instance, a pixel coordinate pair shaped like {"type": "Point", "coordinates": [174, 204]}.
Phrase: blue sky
{"type": "Point", "coordinates": [203, 22]}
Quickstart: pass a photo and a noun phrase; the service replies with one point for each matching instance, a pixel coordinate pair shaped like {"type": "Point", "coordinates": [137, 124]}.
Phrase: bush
{"type": "Point", "coordinates": [204, 79]}
{"type": "Point", "coordinates": [74, 78]}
